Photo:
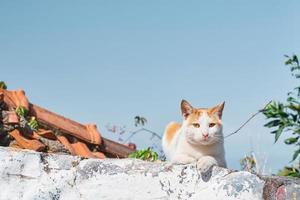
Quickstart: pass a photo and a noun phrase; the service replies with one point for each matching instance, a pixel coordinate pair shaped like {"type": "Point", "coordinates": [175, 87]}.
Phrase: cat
{"type": "Point", "coordinates": [199, 138]}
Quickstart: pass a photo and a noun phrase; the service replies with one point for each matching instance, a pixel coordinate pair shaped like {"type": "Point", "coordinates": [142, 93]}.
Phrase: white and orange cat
{"type": "Point", "coordinates": [199, 138]}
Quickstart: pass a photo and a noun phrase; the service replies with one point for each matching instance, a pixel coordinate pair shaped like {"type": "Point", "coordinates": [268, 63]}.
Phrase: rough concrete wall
{"type": "Point", "coordinates": [32, 175]}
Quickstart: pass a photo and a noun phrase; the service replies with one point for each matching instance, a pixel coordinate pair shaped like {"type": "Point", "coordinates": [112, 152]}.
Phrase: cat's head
{"type": "Point", "coordinates": [202, 126]}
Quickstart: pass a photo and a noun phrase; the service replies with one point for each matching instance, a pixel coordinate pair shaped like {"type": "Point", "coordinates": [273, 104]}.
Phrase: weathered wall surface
{"type": "Point", "coordinates": [32, 175]}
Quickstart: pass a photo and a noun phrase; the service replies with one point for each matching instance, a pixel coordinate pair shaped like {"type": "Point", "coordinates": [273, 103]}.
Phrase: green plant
{"type": "Point", "coordinates": [30, 121]}
{"type": "Point", "coordinates": [285, 116]}
{"type": "Point", "coordinates": [290, 171]}
{"type": "Point", "coordinates": [144, 154]}
{"type": "Point", "coordinates": [33, 124]}
{"type": "Point", "coordinates": [139, 120]}
{"type": "Point", "coordinates": [21, 111]}
{"type": "Point", "coordinates": [248, 163]}
{"type": "Point", "coordinates": [3, 85]}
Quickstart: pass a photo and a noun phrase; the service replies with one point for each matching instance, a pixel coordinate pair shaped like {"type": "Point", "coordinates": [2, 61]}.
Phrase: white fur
{"type": "Point", "coordinates": [189, 145]}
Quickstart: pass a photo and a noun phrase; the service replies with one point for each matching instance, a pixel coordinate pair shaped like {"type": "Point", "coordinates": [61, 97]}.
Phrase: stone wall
{"type": "Point", "coordinates": [32, 175]}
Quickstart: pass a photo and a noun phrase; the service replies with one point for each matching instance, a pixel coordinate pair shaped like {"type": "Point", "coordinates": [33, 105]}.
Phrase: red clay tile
{"type": "Point", "coordinates": [87, 133]}
{"type": "Point", "coordinates": [31, 135]}
{"type": "Point", "coordinates": [46, 134]}
{"type": "Point", "coordinates": [15, 98]}
{"type": "Point", "coordinates": [14, 144]}
{"type": "Point", "coordinates": [93, 132]}
{"type": "Point", "coordinates": [66, 143]}
{"type": "Point", "coordinates": [66, 125]}
{"type": "Point", "coordinates": [81, 149]}
{"type": "Point", "coordinates": [8, 99]}
{"type": "Point", "coordinates": [20, 98]}
{"type": "Point", "coordinates": [10, 117]}
{"type": "Point", "coordinates": [34, 135]}
{"type": "Point", "coordinates": [99, 155]}
{"type": "Point", "coordinates": [131, 145]}
{"type": "Point", "coordinates": [1, 96]}
{"type": "Point", "coordinates": [26, 143]}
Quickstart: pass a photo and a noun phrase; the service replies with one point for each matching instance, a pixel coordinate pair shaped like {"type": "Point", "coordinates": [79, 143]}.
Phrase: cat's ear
{"type": "Point", "coordinates": [218, 109]}
{"type": "Point", "coordinates": [186, 108]}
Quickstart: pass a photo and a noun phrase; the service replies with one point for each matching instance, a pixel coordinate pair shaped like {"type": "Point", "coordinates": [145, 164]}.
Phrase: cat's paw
{"type": "Point", "coordinates": [205, 163]}
{"type": "Point", "coordinates": [183, 159]}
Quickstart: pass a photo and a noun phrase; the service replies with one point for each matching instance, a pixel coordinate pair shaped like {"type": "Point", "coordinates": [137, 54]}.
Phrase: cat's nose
{"type": "Point", "coordinates": [205, 134]}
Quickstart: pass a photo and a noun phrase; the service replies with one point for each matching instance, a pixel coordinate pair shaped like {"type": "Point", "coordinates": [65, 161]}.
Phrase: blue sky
{"type": "Point", "coordinates": [107, 61]}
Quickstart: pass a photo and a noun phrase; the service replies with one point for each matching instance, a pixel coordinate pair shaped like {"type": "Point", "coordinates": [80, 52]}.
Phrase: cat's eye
{"type": "Point", "coordinates": [211, 125]}
{"type": "Point", "coordinates": [196, 125]}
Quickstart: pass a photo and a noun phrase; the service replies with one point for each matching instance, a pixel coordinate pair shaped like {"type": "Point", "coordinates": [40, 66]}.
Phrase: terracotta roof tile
{"type": "Point", "coordinates": [64, 124]}
{"type": "Point", "coordinates": [1, 96]}
{"type": "Point", "coordinates": [99, 155]}
{"type": "Point", "coordinates": [66, 143]}
{"type": "Point", "coordinates": [10, 117]}
{"type": "Point", "coordinates": [81, 149]}
{"type": "Point", "coordinates": [75, 137]}
{"type": "Point", "coordinates": [14, 144]}
{"type": "Point", "coordinates": [16, 98]}
{"type": "Point", "coordinates": [20, 98]}
{"type": "Point", "coordinates": [93, 133]}
{"type": "Point", "coordinates": [46, 134]}
{"type": "Point", "coordinates": [26, 143]}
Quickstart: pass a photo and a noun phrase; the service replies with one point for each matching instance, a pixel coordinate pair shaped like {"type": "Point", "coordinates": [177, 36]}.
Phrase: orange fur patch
{"type": "Point", "coordinates": [196, 114]}
{"type": "Point", "coordinates": [171, 130]}
{"type": "Point", "coordinates": [212, 114]}
{"type": "Point", "coordinates": [215, 119]}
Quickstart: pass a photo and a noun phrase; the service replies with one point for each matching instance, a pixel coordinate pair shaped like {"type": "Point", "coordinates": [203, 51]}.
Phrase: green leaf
{"type": "Point", "coordinates": [288, 62]}
{"type": "Point", "coordinates": [144, 154]}
{"type": "Point", "coordinates": [273, 132]}
{"type": "Point", "coordinates": [33, 124]}
{"type": "Point", "coordinates": [139, 120]}
{"type": "Point", "coordinates": [297, 130]}
{"type": "Point", "coordinates": [278, 133]}
{"type": "Point", "coordinates": [294, 174]}
{"type": "Point", "coordinates": [273, 123]}
{"type": "Point", "coordinates": [291, 140]}
{"type": "Point", "coordinates": [289, 171]}
{"type": "Point", "coordinates": [294, 117]}
{"type": "Point", "coordinates": [3, 85]}
{"type": "Point", "coordinates": [296, 154]}
{"type": "Point", "coordinates": [294, 107]}
{"type": "Point", "coordinates": [22, 111]}
{"type": "Point", "coordinates": [295, 59]}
